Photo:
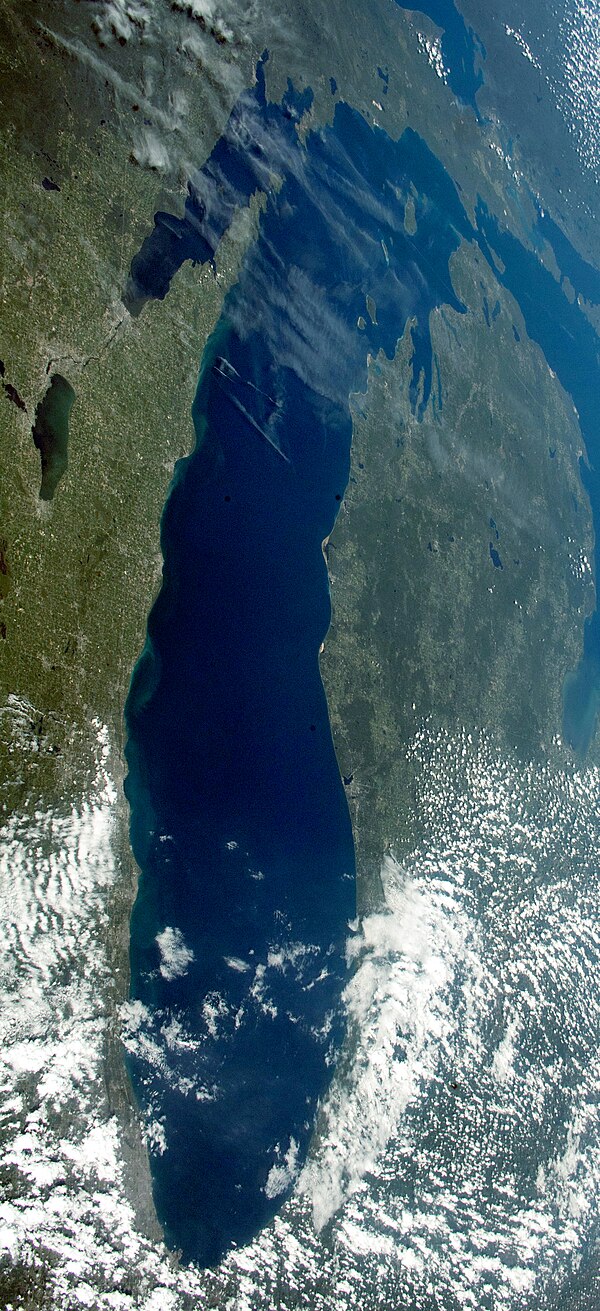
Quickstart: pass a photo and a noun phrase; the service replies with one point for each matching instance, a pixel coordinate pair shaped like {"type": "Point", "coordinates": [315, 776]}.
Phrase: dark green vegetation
{"type": "Point", "coordinates": [424, 624]}
{"type": "Point", "coordinates": [25, 1287]}
{"type": "Point", "coordinates": [90, 556]}
{"type": "Point", "coordinates": [78, 572]}
{"type": "Point", "coordinates": [62, 306]}
{"type": "Point", "coordinates": [436, 632]}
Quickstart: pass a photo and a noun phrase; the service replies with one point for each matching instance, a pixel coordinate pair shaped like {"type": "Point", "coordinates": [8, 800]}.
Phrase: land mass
{"type": "Point", "coordinates": [461, 553]}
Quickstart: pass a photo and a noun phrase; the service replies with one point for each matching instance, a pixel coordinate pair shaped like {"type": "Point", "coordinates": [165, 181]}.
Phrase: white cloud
{"type": "Point", "coordinates": [175, 956]}
{"type": "Point", "coordinates": [120, 20]}
{"type": "Point", "coordinates": [283, 1174]}
{"type": "Point", "coordinates": [401, 1016]}
{"type": "Point", "coordinates": [150, 151]}
{"type": "Point", "coordinates": [488, 939]}
{"type": "Point", "coordinates": [200, 9]}
{"type": "Point", "coordinates": [473, 1002]}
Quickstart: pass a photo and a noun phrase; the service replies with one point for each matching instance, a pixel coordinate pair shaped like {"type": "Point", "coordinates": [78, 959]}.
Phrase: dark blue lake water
{"type": "Point", "coordinates": [239, 819]}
